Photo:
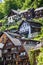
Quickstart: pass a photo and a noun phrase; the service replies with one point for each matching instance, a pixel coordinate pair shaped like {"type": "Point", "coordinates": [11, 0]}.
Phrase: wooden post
{"type": "Point", "coordinates": [13, 62]}
{"type": "Point", "coordinates": [4, 62]}
{"type": "Point", "coordinates": [16, 62]}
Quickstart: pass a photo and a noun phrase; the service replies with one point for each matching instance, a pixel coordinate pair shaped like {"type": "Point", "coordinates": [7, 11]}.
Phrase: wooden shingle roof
{"type": "Point", "coordinates": [15, 41]}
{"type": "Point", "coordinates": [32, 23]}
{"type": "Point", "coordinates": [14, 34]}
{"type": "Point", "coordinates": [14, 11]}
{"type": "Point", "coordinates": [41, 8]}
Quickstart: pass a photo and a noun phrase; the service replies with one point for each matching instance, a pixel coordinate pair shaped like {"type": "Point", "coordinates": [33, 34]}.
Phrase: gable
{"type": "Point", "coordinates": [24, 27]}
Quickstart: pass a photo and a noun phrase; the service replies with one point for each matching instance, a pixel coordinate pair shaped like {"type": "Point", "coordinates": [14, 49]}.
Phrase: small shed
{"type": "Point", "coordinates": [11, 16]}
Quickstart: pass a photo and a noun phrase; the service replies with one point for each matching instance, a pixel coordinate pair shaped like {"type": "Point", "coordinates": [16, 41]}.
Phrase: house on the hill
{"type": "Point", "coordinates": [29, 28]}
{"type": "Point", "coordinates": [12, 51]}
{"type": "Point", "coordinates": [32, 13]}
{"type": "Point", "coordinates": [12, 16]}
{"type": "Point", "coordinates": [28, 14]}
{"type": "Point", "coordinates": [29, 44]}
{"type": "Point", "coordinates": [14, 35]}
{"type": "Point", "coordinates": [39, 12]}
{"type": "Point", "coordinates": [18, 15]}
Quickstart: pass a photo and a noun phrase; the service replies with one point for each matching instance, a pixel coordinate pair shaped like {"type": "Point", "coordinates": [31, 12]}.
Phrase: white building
{"type": "Point", "coordinates": [29, 28]}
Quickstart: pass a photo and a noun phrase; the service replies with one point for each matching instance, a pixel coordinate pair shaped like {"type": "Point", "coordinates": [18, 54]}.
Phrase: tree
{"type": "Point", "coordinates": [40, 57]}
{"type": "Point", "coordinates": [12, 4]}
{"type": "Point", "coordinates": [1, 15]}
{"type": "Point", "coordinates": [1, 10]}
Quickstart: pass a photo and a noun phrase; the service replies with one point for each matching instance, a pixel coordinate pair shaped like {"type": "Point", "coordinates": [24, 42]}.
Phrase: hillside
{"type": "Point", "coordinates": [22, 5]}
{"type": "Point", "coordinates": [5, 7]}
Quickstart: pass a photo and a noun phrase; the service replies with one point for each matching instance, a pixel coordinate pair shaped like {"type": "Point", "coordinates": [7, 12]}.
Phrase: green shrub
{"type": "Point", "coordinates": [31, 57]}
{"type": "Point", "coordinates": [40, 57]}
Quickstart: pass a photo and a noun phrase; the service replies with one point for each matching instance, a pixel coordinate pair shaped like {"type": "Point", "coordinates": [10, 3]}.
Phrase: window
{"type": "Point", "coordinates": [8, 44]}
{"type": "Point", "coordinates": [22, 53]}
{"type": "Point", "coordinates": [33, 30]}
{"type": "Point", "coordinates": [8, 58]}
{"type": "Point", "coordinates": [9, 50]}
{"type": "Point", "coordinates": [13, 55]}
{"type": "Point", "coordinates": [5, 51]}
{"type": "Point", "coordinates": [14, 49]}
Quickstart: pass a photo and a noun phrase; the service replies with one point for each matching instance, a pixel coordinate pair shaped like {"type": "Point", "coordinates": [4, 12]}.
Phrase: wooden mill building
{"type": "Point", "coordinates": [27, 14]}
{"type": "Point", "coordinates": [18, 15]}
{"type": "Point", "coordinates": [12, 51]}
{"type": "Point", "coordinates": [13, 14]}
{"type": "Point", "coordinates": [29, 44]}
{"type": "Point", "coordinates": [29, 28]}
{"type": "Point", "coordinates": [39, 12]}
